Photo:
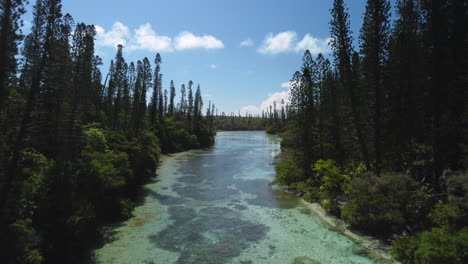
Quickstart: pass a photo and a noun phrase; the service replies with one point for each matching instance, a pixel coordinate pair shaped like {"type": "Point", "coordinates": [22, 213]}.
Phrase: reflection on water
{"type": "Point", "coordinates": [215, 206]}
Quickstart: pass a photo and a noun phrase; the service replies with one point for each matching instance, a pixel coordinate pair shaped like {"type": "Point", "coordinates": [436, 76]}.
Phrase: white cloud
{"type": "Point", "coordinates": [250, 110]}
{"type": "Point", "coordinates": [119, 34]}
{"type": "Point", "coordinates": [314, 45]}
{"type": "Point", "coordinates": [287, 42]}
{"type": "Point", "coordinates": [265, 105]}
{"type": "Point", "coordinates": [145, 38]}
{"type": "Point", "coordinates": [187, 40]}
{"type": "Point", "coordinates": [247, 43]}
{"type": "Point", "coordinates": [275, 97]}
{"type": "Point", "coordinates": [213, 66]}
{"type": "Point", "coordinates": [281, 42]}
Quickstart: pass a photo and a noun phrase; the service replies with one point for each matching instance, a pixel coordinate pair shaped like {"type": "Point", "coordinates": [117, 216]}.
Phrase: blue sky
{"type": "Point", "coordinates": [242, 52]}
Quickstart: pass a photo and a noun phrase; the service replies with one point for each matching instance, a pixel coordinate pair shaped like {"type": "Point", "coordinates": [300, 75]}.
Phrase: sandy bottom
{"type": "Point", "coordinates": [215, 206]}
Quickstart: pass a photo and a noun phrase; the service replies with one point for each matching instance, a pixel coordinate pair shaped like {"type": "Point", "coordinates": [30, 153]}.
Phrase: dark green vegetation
{"type": "Point", "coordinates": [74, 151]}
{"type": "Point", "coordinates": [380, 137]}
{"type": "Point", "coordinates": [271, 120]}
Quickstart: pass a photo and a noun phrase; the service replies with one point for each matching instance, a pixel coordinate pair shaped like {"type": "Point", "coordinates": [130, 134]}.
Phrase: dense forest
{"type": "Point", "coordinates": [272, 120]}
{"type": "Point", "coordinates": [74, 146]}
{"type": "Point", "coordinates": [376, 134]}
{"type": "Point", "coordinates": [379, 135]}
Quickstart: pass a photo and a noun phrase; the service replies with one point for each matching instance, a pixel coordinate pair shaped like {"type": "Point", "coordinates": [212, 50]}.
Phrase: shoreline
{"type": "Point", "coordinates": [374, 248]}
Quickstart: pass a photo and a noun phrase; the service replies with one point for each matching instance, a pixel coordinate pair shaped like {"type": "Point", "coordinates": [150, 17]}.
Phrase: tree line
{"type": "Point", "coordinates": [379, 135]}
{"type": "Point", "coordinates": [75, 146]}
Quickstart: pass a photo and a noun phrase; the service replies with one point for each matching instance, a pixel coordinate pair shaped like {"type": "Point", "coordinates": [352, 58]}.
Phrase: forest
{"type": "Point", "coordinates": [379, 135]}
{"type": "Point", "coordinates": [75, 145]}
{"type": "Point", "coordinates": [376, 134]}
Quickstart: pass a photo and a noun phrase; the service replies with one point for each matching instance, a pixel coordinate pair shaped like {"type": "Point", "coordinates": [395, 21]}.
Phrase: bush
{"type": "Point", "coordinates": [35, 167]}
{"type": "Point", "coordinates": [95, 139]}
{"type": "Point", "coordinates": [385, 204]}
{"type": "Point", "coordinates": [310, 197]}
{"type": "Point", "coordinates": [287, 172]}
{"type": "Point", "coordinates": [25, 242]}
{"type": "Point", "coordinates": [433, 247]}
{"type": "Point", "coordinates": [144, 156]}
{"type": "Point", "coordinates": [184, 140]}
{"type": "Point", "coordinates": [452, 214]}
{"type": "Point", "coordinates": [334, 184]}
{"type": "Point", "coordinates": [126, 208]}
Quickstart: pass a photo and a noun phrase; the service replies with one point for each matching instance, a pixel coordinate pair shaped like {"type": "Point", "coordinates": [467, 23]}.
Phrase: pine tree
{"type": "Point", "coordinates": [183, 102]}
{"type": "Point", "coordinates": [10, 13]}
{"type": "Point", "coordinates": [38, 50]}
{"type": "Point", "coordinates": [374, 49]}
{"type": "Point", "coordinates": [406, 93]}
{"type": "Point", "coordinates": [165, 101]}
{"type": "Point", "coordinates": [110, 90]}
{"type": "Point", "coordinates": [118, 77]}
{"type": "Point", "coordinates": [145, 83]}
{"type": "Point", "coordinates": [342, 50]}
{"type": "Point", "coordinates": [161, 99]}
{"type": "Point", "coordinates": [190, 100]}
{"type": "Point", "coordinates": [156, 85]}
{"type": "Point", "coordinates": [136, 105]}
{"type": "Point", "coordinates": [172, 97]}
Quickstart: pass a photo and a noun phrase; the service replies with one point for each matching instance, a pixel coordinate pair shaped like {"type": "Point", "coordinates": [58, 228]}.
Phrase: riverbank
{"type": "Point", "coordinates": [374, 248]}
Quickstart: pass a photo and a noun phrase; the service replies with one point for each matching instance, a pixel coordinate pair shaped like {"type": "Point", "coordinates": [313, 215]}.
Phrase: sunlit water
{"type": "Point", "coordinates": [215, 206]}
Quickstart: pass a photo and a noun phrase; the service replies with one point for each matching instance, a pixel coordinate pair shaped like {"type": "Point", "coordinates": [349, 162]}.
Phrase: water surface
{"type": "Point", "coordinates": [215, 206]}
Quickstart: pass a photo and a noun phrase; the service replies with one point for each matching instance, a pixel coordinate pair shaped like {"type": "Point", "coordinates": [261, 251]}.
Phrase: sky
{"type": "Point", "coordinates": [242, 52]}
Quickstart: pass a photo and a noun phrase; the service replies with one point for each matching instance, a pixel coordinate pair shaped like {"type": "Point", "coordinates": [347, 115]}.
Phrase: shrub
{"type": "Point", "coordinates": [144, 156]}
{"type": "Point", "coordinates": [309, 197]}
{"type": "Point", "coordinates": [382, 205]}
{"type": "Point", "coordinates": [433, 247]}
{"type": "Point", "coordinates": [334, 184]}
{"type": "Point", "coordinates": [126, 208]}
{"type": "Point", "coordinates": [184, 139]}
{"type": "Point", "coordinates": [95, 139]}
{"type": "Point", "coordinates": [452, 213]}
{"type": "Point", "coordinates": [35, 167]}
{"type": "Point", "coordinates": [287, 172]}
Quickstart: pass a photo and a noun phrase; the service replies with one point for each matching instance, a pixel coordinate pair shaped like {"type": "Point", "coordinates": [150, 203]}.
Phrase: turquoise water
{"type": "Point", "coordinates": [215, 206]}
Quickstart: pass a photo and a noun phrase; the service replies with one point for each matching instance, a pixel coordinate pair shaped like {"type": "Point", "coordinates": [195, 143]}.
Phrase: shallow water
{"type": "Point", "coordinates": [215, 206]}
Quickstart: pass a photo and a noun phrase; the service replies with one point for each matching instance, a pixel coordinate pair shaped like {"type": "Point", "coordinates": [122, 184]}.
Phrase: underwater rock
{"type": "Point", "coordinates": [304, 260]}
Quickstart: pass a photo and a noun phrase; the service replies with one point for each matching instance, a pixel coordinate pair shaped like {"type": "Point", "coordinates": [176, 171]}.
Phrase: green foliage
{"type": "Point", "coordinates": [95, 139]}
{"type": "Point", "coordinates": [310, 197]}
{"type": "Point", "coordinates": [126, 208]}
{"type": "Point", "coordinates": [453, 213]}
{"type": "Point", "coordinates": [433, 247]}
{"type": "Point", "coordinates": [334, 184]}
{"type": "Point", "coordinates": [145, 159]}
{"type": "Point", "coordinates": [275, 128]}
{"type": "Point", "coordinates": [24, 240]}
{"type": "Point", "coordinates": [110, 168]}
{"type": "Point", "coordinates": [34, 170]}
{"type": "Point", "coordinates": [239, 123]}
{"type": "Point", "coordinates": [287, 172]}
{"type": "Point", "coordinates": [300, 188]}
{"type": "Point", "coordinates": [184, 139]}
{"type": "Point", "coordinates": [385, 204]}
